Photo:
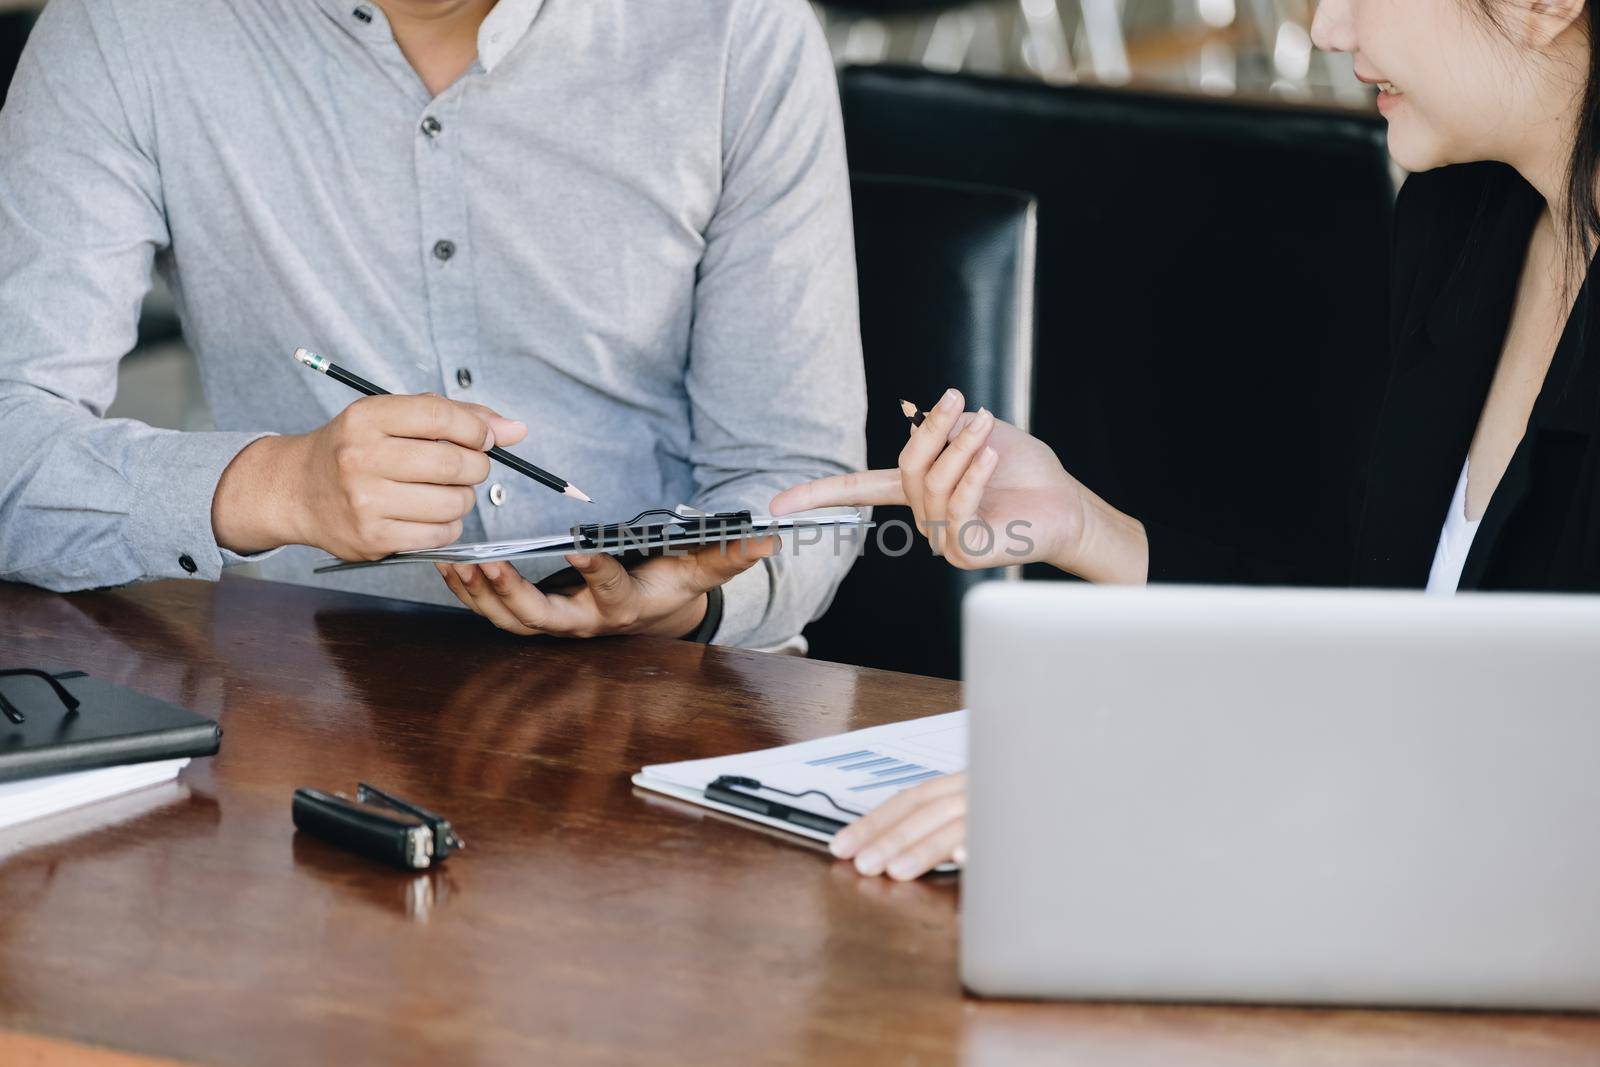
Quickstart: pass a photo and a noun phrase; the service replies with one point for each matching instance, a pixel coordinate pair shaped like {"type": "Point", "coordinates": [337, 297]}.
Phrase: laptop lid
{"type": "Point", "coordinates": [1268, 795]}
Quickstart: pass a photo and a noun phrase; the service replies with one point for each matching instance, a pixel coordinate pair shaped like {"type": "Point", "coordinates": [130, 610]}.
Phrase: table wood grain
{"type": "Point", "coordinates": [587, 922]}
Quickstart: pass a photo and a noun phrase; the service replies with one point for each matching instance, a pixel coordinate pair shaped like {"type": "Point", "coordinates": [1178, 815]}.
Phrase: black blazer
{"type": "Point", "coordinates": [1461, 234]}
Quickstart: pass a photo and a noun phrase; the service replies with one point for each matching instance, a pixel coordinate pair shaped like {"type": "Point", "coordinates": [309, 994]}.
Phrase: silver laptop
{"type": "Point", "coordinates": [1291, 796]}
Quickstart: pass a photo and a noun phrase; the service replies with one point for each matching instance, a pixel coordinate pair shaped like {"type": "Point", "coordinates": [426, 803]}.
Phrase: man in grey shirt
{"type": "Point", "coordinates": [623, 223]}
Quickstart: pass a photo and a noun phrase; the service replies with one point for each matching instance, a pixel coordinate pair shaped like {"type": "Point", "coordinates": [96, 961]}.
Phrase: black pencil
{"type": "Point", "coordinates": [912, 413]}
{"type": "Point", "coordinates": [324, 365]}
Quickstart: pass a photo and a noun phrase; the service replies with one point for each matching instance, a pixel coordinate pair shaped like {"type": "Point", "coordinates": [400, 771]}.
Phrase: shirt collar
{"type": "Point", "coordinates": [1474, 304]}
{"type": "Point", "coordinates": [506, 24]}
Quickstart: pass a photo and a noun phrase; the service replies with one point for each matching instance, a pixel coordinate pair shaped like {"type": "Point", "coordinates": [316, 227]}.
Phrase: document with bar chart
{"type": "Point", "coordinates": [840, 777]}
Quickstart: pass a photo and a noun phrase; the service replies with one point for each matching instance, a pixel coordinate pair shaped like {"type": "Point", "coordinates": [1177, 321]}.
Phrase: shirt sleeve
{"type": "Point", "coordinates": [87, 501]}
{"type": "Point", "coordinates": [775, 382]}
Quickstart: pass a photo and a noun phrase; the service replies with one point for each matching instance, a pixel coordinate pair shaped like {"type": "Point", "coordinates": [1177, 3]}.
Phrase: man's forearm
{"type": "Point", "coordinates": [87, 503]}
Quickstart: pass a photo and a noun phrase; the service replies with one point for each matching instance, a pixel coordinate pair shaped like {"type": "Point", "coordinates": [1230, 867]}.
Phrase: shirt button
{"type": "Point", "coordinates": [497, 494]}
{"type": "Point", "coordinates": [187, 563]}
{"type": "Point", "coordinates": [464, 378]}
{"type": "Point", "coordinates": [432, 126]}
{"type": "Point", "coordinates": [361, 14]}
{"type": "Point", "coordinates": [443, 250]}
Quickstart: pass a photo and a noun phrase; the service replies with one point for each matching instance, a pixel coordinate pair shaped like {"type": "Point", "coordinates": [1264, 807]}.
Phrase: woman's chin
{"type": "Point", "coordinates": [1414, 149]}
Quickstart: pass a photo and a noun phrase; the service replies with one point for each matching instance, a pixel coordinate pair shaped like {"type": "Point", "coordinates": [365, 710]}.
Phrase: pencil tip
{"type": "Point", "coordinates": [573, 491]}
{"type": "Point", "coordinates": [908, 407]}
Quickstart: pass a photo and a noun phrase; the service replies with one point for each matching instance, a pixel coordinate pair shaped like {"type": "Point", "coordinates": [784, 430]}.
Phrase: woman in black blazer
{"type": "Point", "coordinates": [1485, 471]}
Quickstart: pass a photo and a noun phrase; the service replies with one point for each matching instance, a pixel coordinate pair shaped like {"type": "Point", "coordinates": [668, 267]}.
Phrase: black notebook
{"type": "Point", "coordinates": [111, 727]}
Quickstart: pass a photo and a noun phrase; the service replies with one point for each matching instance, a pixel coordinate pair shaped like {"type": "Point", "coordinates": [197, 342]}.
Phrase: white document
{"type": "Point", "coordinates": [856, 771]}
{"type": "Point", "coordinates": [34, 798]}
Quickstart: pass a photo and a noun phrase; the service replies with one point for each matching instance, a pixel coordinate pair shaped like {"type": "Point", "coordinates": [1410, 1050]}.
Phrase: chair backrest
{"type": "Point", "coordinates": [946, 281]}
{"type": "Point", "coordinates": [1213, 290]}
{"type": "Point", "coordinates": [14, 28]}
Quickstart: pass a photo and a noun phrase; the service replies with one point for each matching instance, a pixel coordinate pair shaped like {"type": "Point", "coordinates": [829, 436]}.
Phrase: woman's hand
{"type": "Point", "coordinates": [912, 833]}
{"type": "Point", "coordinates": [663, 597]}
{"type": "Point", "coordinates": [986, 494]}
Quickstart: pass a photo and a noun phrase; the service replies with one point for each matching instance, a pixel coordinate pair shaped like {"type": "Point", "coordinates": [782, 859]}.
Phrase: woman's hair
{"type": "Point", "coordinates": [1582, 223]}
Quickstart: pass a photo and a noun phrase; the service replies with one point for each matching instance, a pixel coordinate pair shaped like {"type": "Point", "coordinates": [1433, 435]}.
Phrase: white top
{"type": "Point", "coordinates": [1455, 541]}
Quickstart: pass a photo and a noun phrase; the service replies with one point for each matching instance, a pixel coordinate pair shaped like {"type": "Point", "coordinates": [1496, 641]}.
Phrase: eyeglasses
{"type": "Point", "coordinates": [9, 710]}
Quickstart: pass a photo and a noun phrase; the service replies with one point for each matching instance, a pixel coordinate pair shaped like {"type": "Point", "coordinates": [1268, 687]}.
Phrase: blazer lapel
{"type": "Point", "coordinates": [1443, 367]}
{"type": "Point", "coordinates": [1563, 418]}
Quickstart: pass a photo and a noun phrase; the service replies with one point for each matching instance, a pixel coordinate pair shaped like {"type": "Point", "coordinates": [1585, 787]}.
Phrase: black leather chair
{"type": "Point", "coordinates": [1213, 290]}
{"type": "Point", "coordinates": [14, 28]}
{"type": "Point", "coordinates": [946, 284]}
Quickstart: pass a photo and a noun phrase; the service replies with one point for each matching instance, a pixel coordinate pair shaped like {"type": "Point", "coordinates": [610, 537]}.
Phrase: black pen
{"type": "Point", "coordinates": [324, 365]}
{"type": "Point", "coordinates": [724, 791]}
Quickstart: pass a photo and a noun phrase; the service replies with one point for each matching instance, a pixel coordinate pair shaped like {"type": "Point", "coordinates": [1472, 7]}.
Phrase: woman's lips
{"type": "Point", "coordinates": [1388, 95]}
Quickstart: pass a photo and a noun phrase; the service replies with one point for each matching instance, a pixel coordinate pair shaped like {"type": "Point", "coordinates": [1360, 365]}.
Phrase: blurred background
{"type": "Point", "coordinates": [1152, 232]}
{"type": "Point", "coordinates": [1223, 47]}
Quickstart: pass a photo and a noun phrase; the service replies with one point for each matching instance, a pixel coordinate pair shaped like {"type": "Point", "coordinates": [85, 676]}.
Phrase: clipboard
{"type": "Point", "coordinates": [811, 789]}
{"type": "Point", "coordinates": [654, 531]}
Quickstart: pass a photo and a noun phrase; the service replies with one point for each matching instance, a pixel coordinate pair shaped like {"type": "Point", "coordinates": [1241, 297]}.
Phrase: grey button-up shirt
{"type": "Point", "coordinates": [627, 225]}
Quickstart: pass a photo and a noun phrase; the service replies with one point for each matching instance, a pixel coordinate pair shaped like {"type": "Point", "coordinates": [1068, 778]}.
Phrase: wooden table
{"type": "Point", "coordinates": [586, 922]}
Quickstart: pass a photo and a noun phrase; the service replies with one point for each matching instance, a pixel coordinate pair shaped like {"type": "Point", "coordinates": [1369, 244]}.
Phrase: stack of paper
{"type": "Point", "coordinates": [34, 798]}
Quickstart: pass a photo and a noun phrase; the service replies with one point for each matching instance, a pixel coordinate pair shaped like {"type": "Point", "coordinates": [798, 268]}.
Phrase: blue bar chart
{"type": "Point", "coordinates": [875, 771]}
{"type": "Point", "coordinates": [848, 773]}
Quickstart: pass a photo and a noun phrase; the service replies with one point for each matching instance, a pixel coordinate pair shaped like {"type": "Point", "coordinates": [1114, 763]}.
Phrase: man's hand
{"type": "Point", "coordinates": [662, 597]}
{"type": "Point", "coordinates": [388, 474]}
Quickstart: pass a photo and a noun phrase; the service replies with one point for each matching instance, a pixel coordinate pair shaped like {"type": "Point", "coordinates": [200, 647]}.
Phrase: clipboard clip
{"type": "Point", "coordinates": [638, 530]}
{"type": "Point", "coordinates": [741, 792]}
